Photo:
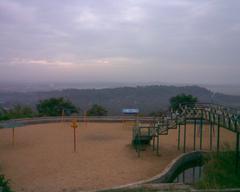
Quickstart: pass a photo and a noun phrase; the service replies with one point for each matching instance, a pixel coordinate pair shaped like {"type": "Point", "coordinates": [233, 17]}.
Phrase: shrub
{"type": "Point", "coordinates": [220, 171]}
{"type": "Point", "coordinates": [97, 110]}
{"type": "Point", "coordinates": [4, 184]}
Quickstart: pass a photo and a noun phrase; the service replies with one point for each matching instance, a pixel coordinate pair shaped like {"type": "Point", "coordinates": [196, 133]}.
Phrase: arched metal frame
{"type": "Point", "coordinates": [201, 113]}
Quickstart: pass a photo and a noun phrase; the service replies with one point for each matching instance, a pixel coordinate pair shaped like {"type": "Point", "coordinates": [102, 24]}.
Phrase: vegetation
{"type": "Point", "coordinates": [156, 114]}
{"type": "Point", "coordinates": [138, 189]}
{"type": "Point", "coordinates": [2, 113]}
{"type": "Point", "coordinates": [182, 99]}
{"type": "Point", "coordinates": [97, 110]}
{"type": "Point", "coordinates": [54, 107]}
{"type": "Point", "coordinates": [18, 111]}
{"type": "Point", "coordinates": [219, 172]}
{"type": "Point", "coordinates": [146, 98]}
{"type": "Point", "coordinates": [4, 184]}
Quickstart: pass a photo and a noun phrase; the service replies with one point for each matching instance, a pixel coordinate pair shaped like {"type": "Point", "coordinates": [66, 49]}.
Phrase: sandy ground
{"type": "Point", "coordinates": [43, 159]}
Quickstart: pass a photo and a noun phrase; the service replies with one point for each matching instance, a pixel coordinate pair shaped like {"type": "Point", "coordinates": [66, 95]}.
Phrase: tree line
{"type": "Point", "coordinates": [58, 106]}
{"type": "Point", "coordinates": [50, 107]}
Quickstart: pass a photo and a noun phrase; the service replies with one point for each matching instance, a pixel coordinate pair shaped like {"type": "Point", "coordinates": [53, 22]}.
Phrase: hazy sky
{"type": "Point", "coordinates": [120, 40]}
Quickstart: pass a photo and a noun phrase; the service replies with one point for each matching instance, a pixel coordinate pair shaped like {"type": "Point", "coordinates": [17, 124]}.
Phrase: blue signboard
{"type": "Point", "coordinates": [130, 111]}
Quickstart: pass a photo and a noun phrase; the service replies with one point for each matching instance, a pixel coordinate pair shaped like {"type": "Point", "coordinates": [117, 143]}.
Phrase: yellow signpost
{"type": "Point", "coordinates": [13, 135]}
{"type": "Point", "coordinates": [74, 125]}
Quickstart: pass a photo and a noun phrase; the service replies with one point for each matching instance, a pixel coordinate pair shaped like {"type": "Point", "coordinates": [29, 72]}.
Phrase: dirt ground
{"type": "Point", "coordinates": [43, 158]}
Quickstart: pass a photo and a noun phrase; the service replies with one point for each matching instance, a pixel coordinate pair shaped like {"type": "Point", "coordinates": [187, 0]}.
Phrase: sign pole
{"type": "Point", "coordinates": [74, 125]}
{"type": "Point", "coordinates": [74, 130]}
{"type": "Point", "coordinates": [13, 136]}
{"type": "Point", "coordinates": [62, 115]}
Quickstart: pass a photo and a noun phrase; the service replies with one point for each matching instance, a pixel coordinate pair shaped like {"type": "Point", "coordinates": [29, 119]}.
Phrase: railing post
{"type": "Point", "coordinates": [237, 148]}
{"type": "Point", "coordinates": [211, 129]}
{"type": "Point", "coordinates": [218, 134]}
{"type": "Point", "coordinates": [158, 139]}
{"type": "Point", "coordinates": [139, 141]}
{"type": "Point", "coordinates": [194, 135]}
{"type": "Point", "coordinates": [201, 130]}
{"type": "Point", "coordinates": [185, 134]}
{"type": "Point", "coordinates": [179, 136]}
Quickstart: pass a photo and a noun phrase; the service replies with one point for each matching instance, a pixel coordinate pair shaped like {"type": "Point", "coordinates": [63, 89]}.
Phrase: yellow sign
{"type": "Point", "coordinates": [74, 124]}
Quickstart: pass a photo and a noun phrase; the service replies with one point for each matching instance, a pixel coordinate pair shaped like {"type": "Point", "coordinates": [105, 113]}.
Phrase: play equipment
{"type": "Point", "coordinates": [199, 115]}
{"type": "Point", "coordinates": [143, 134]}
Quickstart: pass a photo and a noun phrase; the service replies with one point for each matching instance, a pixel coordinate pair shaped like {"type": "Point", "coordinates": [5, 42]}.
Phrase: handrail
{"type": "Point", "coordinates": [37, 120]}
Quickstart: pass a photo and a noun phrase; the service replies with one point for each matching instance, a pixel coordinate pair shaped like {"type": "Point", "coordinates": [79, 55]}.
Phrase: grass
{"type": "Point", "coordinates": [219, 172]}
{"type": "Point", "coordinates": [132, 190]}
{"type": "Point", "coordinates": [4, 184]}
{"type": "Point", "coordinates": [142, 189]}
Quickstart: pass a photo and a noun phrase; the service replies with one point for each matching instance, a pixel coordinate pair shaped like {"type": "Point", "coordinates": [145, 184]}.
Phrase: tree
{"type": "Point", "coordinates": [55, 106]}
{"type": "Point", "coordinates": [182, 99]}
{"type": "Point", "coordinates": [97, 110]}
{"type": "Point", "coordinates": [2, 113]}
{"type": "Point", "coordinates": [20, 111]}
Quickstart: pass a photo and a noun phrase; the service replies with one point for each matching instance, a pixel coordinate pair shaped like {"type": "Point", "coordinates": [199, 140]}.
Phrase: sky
{"type": "Point", "coordinates": [183, 41]}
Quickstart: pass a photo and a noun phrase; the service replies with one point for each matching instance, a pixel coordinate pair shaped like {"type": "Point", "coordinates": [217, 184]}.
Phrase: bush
{"type": "Point", "coordinates": [97, 110]}
{"type": "Point", "coordinates": [4, 184]}
{"type": "Point", "coordinates": [157, 114]}
{"type": "Point", "coordinates": [220, 171]}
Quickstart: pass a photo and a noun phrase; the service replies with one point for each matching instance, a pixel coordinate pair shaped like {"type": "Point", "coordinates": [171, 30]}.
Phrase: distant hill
{"type": "Point", "coordinates": [146, 98]}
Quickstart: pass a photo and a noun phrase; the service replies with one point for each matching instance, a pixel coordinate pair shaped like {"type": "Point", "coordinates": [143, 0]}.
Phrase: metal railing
{"type": "Point", "coordinates": [39, 120]}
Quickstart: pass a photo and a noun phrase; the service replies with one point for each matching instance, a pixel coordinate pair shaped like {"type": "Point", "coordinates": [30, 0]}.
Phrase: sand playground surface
{"type": "Point", "coordinates": [43, 158]}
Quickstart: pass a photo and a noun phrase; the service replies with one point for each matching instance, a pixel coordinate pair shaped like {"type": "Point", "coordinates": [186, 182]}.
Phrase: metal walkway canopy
{"type": "Point", "coordinates": [197, 114]}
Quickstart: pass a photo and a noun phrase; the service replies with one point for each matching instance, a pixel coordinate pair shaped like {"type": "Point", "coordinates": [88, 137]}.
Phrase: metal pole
{"type": "Point", "coordinates": [153, 143]}
{"type": "Point", "coordinates": [211, 128]}
{"type": "Point", "coordinates": [74, 135]}
{"type": "Point", "coordinates": [200, 172]}
{"type": "Point", "coordinates": [194, 135]}
{"type": "Point", "coordinates": [193, 175]}
{"type": "Point", "coordinates": [214, 123]}
{"type": "Point", "coordinates": [201, 132]}
{"type": "Point", "coordinates": [158, 141]}
{"type": "Point", "coordinates": [139, 142]}
{"type": "Point", "coordinates": [13, 135]}
{"type": "Point", "coordinates": [218, 134]}
{"type": "Point", "coordinates": [184, 176]}
{"type": "Point", "coordinates": [237, 152]}
{"type": "Point", "coordinates": [185, 134]}
{"type": "Point", "coordinates": [179, 136]}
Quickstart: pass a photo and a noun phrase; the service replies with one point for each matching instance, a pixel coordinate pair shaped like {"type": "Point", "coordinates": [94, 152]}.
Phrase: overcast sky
{"type": "Point", "coordinates": [120, 40]}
